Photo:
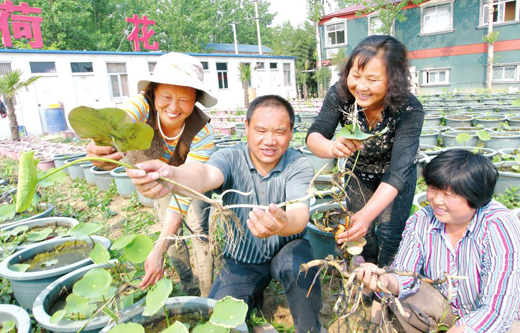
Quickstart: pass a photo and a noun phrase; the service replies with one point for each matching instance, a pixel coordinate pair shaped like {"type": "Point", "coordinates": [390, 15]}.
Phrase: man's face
{"type": "Point", "coordinates": [268, 135]}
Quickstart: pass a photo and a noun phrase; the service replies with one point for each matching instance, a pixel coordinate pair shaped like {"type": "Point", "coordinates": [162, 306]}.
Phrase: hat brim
{"type": "Point", "coordinates": [206, 98]}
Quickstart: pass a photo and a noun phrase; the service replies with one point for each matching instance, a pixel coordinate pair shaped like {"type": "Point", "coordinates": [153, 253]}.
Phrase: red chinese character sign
{"type": "Point", "coordinates": [24, 26]}
{"type": "Point", "coordinates": [145, 33]}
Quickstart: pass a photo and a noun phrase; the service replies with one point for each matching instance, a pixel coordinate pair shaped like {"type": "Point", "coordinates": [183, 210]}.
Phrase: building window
{"type": "Point", "coordinates": [336, 34]}
{"type": "Point", "coordinates": [118, 80]}
{"type": "Point", "coordinates": [504, 73]}
{"type": "Point", "coordinates": [5, 68]}
{"type": "Point", "coordinates": [437, 18]}
{"type": "Point", "coordinates": [504, 11]}
{"type": "Point", "coordinates": [260, 65]}
{"type": "Point", "coordinates": [436, 77]}
{"type": "Point", "coordinates": [81, 67]}
{"type": "Point", "coordinates": [375, 26]}
{"type": "Point", "coordinates": [222, 75]}
{"type": "Point", "coordinates": [151, 67]}
{"type": "Point", "coordinates": [287, 74]}
{"type": "Point", "coordinates": [205, 65]}
{"type": "Point", "coordinates": [273, 65]}
{"type": "Point", "coordinates": [43, 67]}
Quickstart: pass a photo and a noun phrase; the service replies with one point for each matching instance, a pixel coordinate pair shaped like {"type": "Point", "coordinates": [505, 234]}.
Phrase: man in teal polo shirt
{"type": "Point", "coordinates": [273, 245]}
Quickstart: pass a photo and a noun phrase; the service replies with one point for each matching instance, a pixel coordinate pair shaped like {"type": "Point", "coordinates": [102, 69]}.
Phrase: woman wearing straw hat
{"type": "Point", "coordinates": [182, 133]}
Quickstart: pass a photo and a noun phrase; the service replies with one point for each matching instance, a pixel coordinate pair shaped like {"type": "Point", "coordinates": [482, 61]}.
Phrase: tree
{"type": "Point", "coordinates": [10, 84]}
{"type": "Point", "coordinates": [490, 38]}
{"type": "Point", "coordinates": [244, 75]}
{"type": "Point", "coordinates": [388, 10]}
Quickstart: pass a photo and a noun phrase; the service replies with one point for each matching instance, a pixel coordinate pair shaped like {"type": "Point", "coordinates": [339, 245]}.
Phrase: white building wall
{"type": "Point", "coordinates": [93, 89]}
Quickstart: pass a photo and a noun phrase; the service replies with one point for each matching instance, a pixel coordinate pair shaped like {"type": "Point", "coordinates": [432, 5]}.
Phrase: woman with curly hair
{"type": "Point", "coordinates": [376, 77]}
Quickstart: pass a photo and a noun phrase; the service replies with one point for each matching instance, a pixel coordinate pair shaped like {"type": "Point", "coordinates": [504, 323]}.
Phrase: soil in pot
{"type": "Point", "coordinates": [39, 234]}
{"type": "Point", "coordinates": [62, 255]}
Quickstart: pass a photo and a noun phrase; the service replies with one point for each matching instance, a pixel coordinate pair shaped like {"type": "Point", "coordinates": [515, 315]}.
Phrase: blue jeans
{"type": "Point", "coordinates": [248, 281]}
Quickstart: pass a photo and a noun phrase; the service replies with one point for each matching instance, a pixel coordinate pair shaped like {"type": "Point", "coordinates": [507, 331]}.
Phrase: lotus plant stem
{"type": "Point", "coordinates": [166, 315]}
{"type": "Point", "coordinates": [353, 168]}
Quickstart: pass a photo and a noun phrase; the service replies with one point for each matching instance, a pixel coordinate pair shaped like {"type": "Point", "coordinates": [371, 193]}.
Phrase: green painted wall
{"type": "Point", "coordinates": [468, 72]}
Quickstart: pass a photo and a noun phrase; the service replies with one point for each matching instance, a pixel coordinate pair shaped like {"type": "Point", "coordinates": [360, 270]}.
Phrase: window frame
{"type": "Point", "coordinates": [55, 73]}
{"type": "Point", "coordinates": [435, 3]}
{"type": "Point", "coordinates": [119, 82]}
{"type": "Point", "coordinates": [376, 15]}
{"type": "Point", "coordinates": [225, 80]}
{"type": "Point", "coordinates": [287, 81]}
{"type": "Point", "coordinates": [425, 72]}
{"type": "Point", "coordinates": [483, 13]}
{"type": "Point", "coordinates": [326, 33]}
{"type": "Point", "coordinates": [516, 79]}
{"type": "Point", "coordinates": [81, 73]}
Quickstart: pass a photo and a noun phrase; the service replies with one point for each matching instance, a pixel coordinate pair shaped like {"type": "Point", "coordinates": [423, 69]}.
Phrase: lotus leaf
{"type": "Point", "coordinates": [49, 263]}
{"type": "Point", "coordinates": [157, 297]}
{"type": "Point", "coordinates": [127, 328]}
{"type": "Point", "coordinates": [57, 316]}
{"type": "Point", "coordinates": [85, 229]}
{"type": "Point", "coordinates": [137, 251]}
{"type": "Point", "coordinates": [103, 125]}
{"type": "Point", "coordinates": [463, 137]}
{"type": "Point", "coordinates": [349, 132]}
{"type": "Point", "coordinates": [27, 179]}
{"type": "Point", "coordinates": [177, 327]}
{"type": "Point", "coordinates": [7, 212]}
{"type": "Point", "coordinates": [19, 267]}
{"type": "Point", "coordinates": [94, 284]}
{"type": "Point", "coordinates": [483, 135]}
{"type": "Point", "coordinates": [229, 312]}
{"type": "Point", "coordinates": [7, 326]}
{"type": "Point", "coordinates": [122, 242]}
{"type": "Point", "coordinates": [209, 328]}
{"type": "Point", "coordinates": [99, 254]}
{"type": "Point", "coordinates": [18, 230]}
{"type": "Point", "coordinates": [76, 303]}
{"type": "Point", "coordinates": [39, 235]}
{"type": "Point", "coordinates": [126, 301]}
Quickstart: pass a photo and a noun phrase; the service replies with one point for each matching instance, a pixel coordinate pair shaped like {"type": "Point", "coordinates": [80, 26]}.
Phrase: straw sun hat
{"type": "Point", "coordinates": [180, 70]}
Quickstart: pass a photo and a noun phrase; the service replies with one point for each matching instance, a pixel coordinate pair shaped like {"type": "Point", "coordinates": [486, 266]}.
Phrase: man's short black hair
{"type": "Point", "coordinates": [469, 175]}
{"type": "Point", "coordinates": [271, 101]}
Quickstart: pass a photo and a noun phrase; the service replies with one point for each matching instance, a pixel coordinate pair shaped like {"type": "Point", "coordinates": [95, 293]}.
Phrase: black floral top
{"type": "Point", "coordinates": [390, 157]}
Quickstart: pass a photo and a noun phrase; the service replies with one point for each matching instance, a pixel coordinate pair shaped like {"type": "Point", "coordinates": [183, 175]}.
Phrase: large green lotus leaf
{"type": "Point", "coordinates": [229, 312]}
{"type": "Point", "coordinates": [177, 327]}
{"type": "Point", "coordinates": [85, 229]}
{"type": "Point", "coordinates": [94, 284]}
{"type": "Point", "coordinates": [157, 297]}
{"type": "Point", "coordinates": [102, 125]}
{"type": "Point", "coordinates": [483, 135]}
{"type": "Point", "coordinates": [57, 316]}
{"type": "Point", "coordinates": [349, 132]}
{"type": "Point", "coordinates": [210, 328]}
{"type": "Point", "coordinates": [138, 250]}
{"type": "Point", "coordinates": [27, 179]}
{"type": "Point", "coordinates": [99, 254]}
{"type": "Point", "coordinates": [39, 235]}
{"type": "Point", "coordinates": [76, 303]}
{"type": "Point", "coordinates": [127, 328]}
{"type": "Point", "coordinates": [7, 212]}
{"type": "Point", "coordinates": [122, 242]}
{"type": "Point", "coordinates": [19, 267]}
{"type": "Point", "coordinates": [463, 137]}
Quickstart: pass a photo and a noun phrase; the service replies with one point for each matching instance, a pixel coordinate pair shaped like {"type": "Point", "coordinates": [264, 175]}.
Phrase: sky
{"type": "Point", "coordinates": [294, 11]}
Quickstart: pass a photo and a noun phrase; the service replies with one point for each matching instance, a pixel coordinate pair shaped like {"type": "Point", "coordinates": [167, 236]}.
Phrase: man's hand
{"type": "Point", "coordinates": [145, 178]}
{"type": "Point", "coordinates": [343, 147]}
{"type": "Point", "coordinates": [153, 268]}
{"type": "Point", "coordinates": [263, 224]}
{"type": "Point", "coordinates": [359, 225]}
{"type": "Point", "coordinates": [94, 150]}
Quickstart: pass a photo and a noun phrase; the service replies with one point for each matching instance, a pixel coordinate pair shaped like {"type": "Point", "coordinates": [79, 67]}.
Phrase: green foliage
{"type": "Point", "coordinates": [94, 284]}
{"type": "Point", "coordinates": [229, 312]}
{"type": "Point", "coordinates": [340, 58]}
{"type": "Point", "coordinates": [157, 297]}
{"type": "Point", "coordinates": [8, 326]}
{"type": "Point", "coordinates": [12, 82]}
{"type": "Point", "coordinates": [28, 177]}
{"type": "Point", "coordinates": [109, 127]}
{"type": "Point", "coordinates": [354, 133]}
{"type": "Point", "coordinates": [490, 38]}
{"type": "Point", "coordinates": [388, 11]}
{"type": "Point", "coordinates": [511, 197]}
{"type": "Point", "coordinates": [85, 229]}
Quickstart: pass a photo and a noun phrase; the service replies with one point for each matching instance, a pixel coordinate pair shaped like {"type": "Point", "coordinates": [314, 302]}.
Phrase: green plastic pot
{"type": "Point", "coordinates": [317, 162]}
{"type": "Point", "coordinates": [75, 170]}
{"type": "Point", "coordinates": [124, 184]}
{"type": "Point", "coordinates": [89, 176]}
{"type": "Point", "coordinates": [15, 313]}
{"type": "Point", "coordinates": [103, 178]}
{"type": "Point", "coordinates": [506, 179]}
{"type": "Point", "coordinates": [322, 242]}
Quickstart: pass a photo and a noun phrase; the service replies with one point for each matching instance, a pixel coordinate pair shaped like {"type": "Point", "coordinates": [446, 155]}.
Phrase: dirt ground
{"type": "Point", "coordinates": [123, 216]}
